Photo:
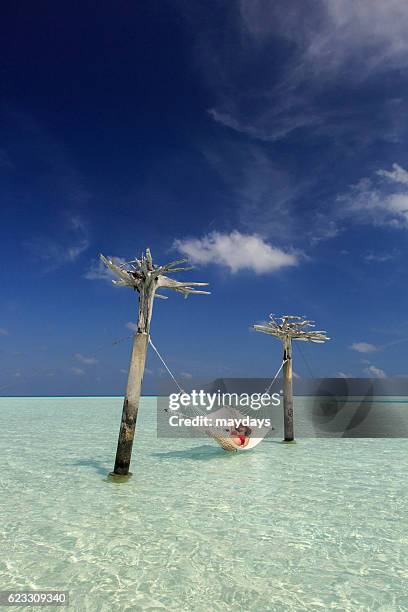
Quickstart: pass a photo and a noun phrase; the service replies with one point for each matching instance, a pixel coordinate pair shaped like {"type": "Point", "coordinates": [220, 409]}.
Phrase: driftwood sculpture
{"type": "Point", "coordinates": [288, 328]}
{"type": "Point", "coordinates": [145, 278]}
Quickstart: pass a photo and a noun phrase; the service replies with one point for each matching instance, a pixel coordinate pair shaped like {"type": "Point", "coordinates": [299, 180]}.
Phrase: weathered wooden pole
{"type": "Point", "coordinates": [288, 391]}
{"type": "Point", "coordinates": [286, 329]}
{"type": "Point", "coordinates": [144, 277]}
{"type": "Point", "coordinates": [131, 404]}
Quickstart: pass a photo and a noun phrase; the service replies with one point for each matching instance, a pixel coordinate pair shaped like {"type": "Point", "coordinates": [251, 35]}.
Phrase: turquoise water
{"type": "Point", "coordinates": [318, 525]}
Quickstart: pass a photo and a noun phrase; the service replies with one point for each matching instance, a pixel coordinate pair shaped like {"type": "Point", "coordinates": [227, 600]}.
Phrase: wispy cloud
{"type": "Point", "coordinates": [324, 228]}
{"type": "Point", "coordinates": [85, 360]}
{"type": "Point", "coordinates": [77, 371]}
{"type": "Point", "coordinates": [364, 347]}
{"type": "Point", "coordinates": [330, 33]}
{"type": "Point", "coordinates": [131, 326]}
{"type": "Point", "coordinates": [299, 76]}
{"type": "Point", "coordinates": [44, 172]}
{"type": "Point", "coordinates": [98, 271]}
{"type": "Point", "coordinates": [261, 191]}
{"type": "Point", "coordinates": [324, 46]}
{"type": "Point", "coordinates": [4, 331]}
{"type": "Point", "coordinates": [72, 241]}
{"type": "Point", "coordinates": [379, 257]}
{"type": "Point", "coordinates": [236, 251]}
{"type": "Point", "coordinates": [274, 125]}
{"type": "Point", "coordinates": [378, 201]}
{"type": "Point", "coordinates": [375, 372]}
{"type": "Point", "coordinates": [186, 375]}
{"type": "Point", "coordinates": [397, 174]}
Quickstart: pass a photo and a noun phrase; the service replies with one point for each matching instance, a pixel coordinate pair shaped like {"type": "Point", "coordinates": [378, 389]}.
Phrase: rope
{"type": "Point", "coordinates": [166, 366]}
{"type": "Point", "coordinates": [269, 387]}
{"type": "Point", "coordinates": [218, 433]}
{"type": "Point", "coordinates": [304, 360]}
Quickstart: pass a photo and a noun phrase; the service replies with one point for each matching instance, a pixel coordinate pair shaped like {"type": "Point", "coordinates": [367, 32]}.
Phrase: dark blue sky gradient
{"type": "Point", "coordinates": [125, 125]}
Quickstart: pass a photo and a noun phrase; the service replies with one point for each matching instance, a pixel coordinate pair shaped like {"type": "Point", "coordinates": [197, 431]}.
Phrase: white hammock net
{"type": "Point", "coordinates": [225, 419]}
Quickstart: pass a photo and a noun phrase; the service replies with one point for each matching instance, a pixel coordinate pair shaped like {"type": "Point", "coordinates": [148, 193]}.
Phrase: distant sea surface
{"type": "Point", "coordinates": [317, 525]}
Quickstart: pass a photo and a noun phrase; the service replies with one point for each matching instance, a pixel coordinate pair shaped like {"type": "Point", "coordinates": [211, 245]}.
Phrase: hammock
{"type": "Point", "coordinates": [221, 434]}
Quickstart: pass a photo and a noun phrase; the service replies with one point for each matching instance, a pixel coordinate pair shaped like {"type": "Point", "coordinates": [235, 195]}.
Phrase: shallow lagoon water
{"type": "Point", "coordinates": [317, 525]}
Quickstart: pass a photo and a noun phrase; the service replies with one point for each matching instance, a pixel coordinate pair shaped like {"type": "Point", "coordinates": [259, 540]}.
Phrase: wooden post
{"type": "Point", "coordinates": [288, 391]}
{"type": "Point", "coordinates": [131, 404]}
{"type": "Point", "coordinates": [144, 277]}
{"type": "Point", "coordinates": [134, 383]}
{"type": "Point", "coordinates": [286, 329]}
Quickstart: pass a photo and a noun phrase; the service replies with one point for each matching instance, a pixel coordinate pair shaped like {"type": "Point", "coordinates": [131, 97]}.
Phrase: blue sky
{"type": "Point", "coordinates": [268, 145]}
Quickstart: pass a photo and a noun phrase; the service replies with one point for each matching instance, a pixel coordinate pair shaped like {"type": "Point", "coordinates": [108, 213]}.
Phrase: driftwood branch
{"type": "Point", "coordinates": [293, 327]}
{"type": "Point", "coordinates": [143, 276]}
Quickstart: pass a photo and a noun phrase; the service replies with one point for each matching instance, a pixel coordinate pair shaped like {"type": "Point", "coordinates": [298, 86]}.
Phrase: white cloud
{"type": "Point", "coordinates": [4, 331]}
{"type": "Point", "coordinates": [273, 125]}
{"type": "Point", "coordinates": [330, 32]}
{"type": "Point", "coordinates": [379, 204]}
{"type": "Point", "coordinates": [78, 371]}
{"type": "Point", "coordinates": [343, 375]}
{"type": "Point", "coordinates": [364, 347]}
{"type": "Point", "coordinates": [321, 52]}
{"type": "Point", "coordinates": [379, 257]}
{"type": "Point", "coordinates": [375, 372]}
{"type": "Point", "coordinates": [398, 203]}
{"type": "Point", "coordinates": [236, 251]}
{"type": "Point", "coordinates": [72, 252]}
{"type": "Point", "coordinates": [86, 360]}
{"type": "Point", "coordinates": [398, 174]}
{"type": "Point", "coordinates": [55, 254]}
{"type": "Point", "coordinates": [98, 271]}
{"type": "Point", "coordinates": [186, 375]}
{"type": "Point", "coordinates": [131, 326]}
